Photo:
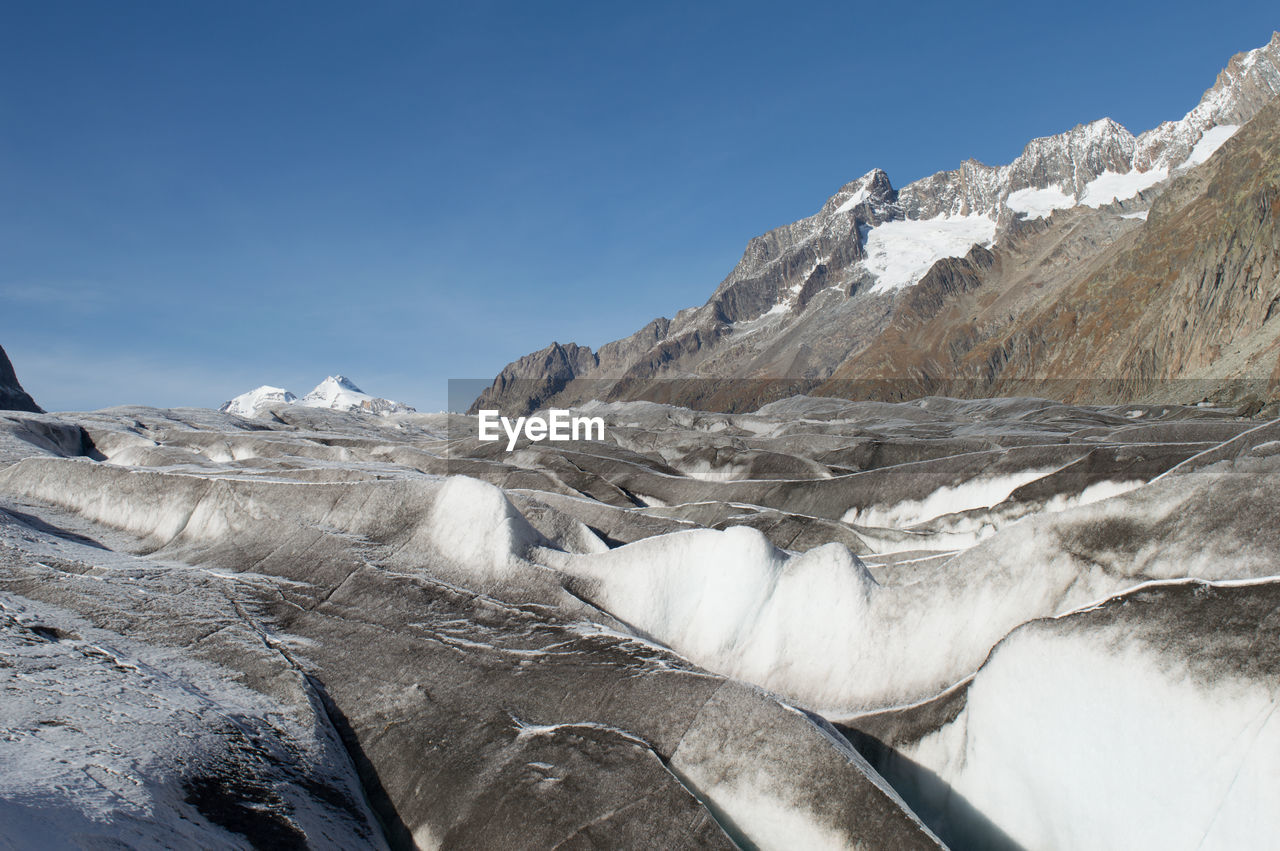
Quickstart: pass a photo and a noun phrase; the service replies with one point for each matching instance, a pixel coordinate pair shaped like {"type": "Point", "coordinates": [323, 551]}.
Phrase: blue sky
{"type": "Point", "coordinates": [198, 198]}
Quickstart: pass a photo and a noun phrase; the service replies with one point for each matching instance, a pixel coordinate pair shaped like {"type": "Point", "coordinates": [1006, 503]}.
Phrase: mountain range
{"type": "Point", "coordinates": [824, 623]}
{"type": "Point", "coordinates": [337, 393]}
{"type": "Point", "coordinates": [1112, 265]}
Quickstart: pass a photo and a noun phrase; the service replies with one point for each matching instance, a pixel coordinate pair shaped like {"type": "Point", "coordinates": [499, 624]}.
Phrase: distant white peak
{"type": "Point", "coordinates": [339, 393]}
{"type": "Point", "coordinates": [249, 404]}
{"type": "Point", "coordinates": [331, 387]}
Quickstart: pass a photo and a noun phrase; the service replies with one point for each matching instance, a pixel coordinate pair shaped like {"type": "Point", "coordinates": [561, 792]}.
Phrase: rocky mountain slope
{"type": "Point", "coordinates": [1190, 294]}
{"type": "Point", "coordinates": [885, 285]}
{"type": "Point", "coordinates": [12, 396]}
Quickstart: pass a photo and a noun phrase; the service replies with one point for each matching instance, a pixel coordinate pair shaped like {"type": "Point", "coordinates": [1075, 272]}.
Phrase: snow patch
{"type": "Point", "coordinates": [107, 740]}
{"type": "Point", "coordinates": [975, 493]}
{"type": "Point", "coordinates": [773, 823]}
{"type": "Point", "coordinates": [1212, 139]}
{"type": "Point", "coordinates": [1038, 203]}
{"type": "Point", "coordinates": [899, 253]}
{"type": "Point", "coordinates": [1110, 186]}
{"type": "Point", "coordinates": [854, 200]}
{"type": "Point", "coordinates": [1095, 492]}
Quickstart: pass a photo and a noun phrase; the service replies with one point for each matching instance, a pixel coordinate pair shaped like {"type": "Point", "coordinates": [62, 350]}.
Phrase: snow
{"type": "Point", "coordinates": [854, 200]}
{"type": "Point", "coordinates": [1038, 203]}
{"type": "Point", "coordinates": [336, 391]}
{"type": "Point", "coordinates": [1141, 755]}
{"type": "Point", "coordinates": [1095, 492]}
{"type": "Point", "coordinates": [772, 823]}
{"type": "Point", "coordinates": [1141, 215]}
{"type": "Point", "coordinates": [473, 523]}
{"type": "Point", "coordinates": [107, 734]}
{"type": "Point", "coordinates": [251, 403]}
{"type": "Point", "coordinates": [729, 596]}
{"type": "Point", "coordinates": [1212, 139]}
{"type": "Point", "coordinates": [899, 253]}
{"type": "Point", "coordinates": [735, 604]}
{"type": "Point", "coordinates": [1110, 186]}
{"type": "Point", "coordinates": [339, 393]}
{"type": "Point", "coordinates": [974, 493]}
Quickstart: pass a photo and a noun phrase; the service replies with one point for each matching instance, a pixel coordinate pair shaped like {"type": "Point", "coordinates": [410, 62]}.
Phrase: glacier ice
{"type": "Point", "coordinates": [693, 649]}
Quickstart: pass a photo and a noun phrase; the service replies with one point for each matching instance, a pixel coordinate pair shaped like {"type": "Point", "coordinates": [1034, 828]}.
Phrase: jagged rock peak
{"type": "Point", "coordinates": [12, 396]}
{"type": "Point", "coordinates": [776, 311]}
{"type": "Point", "coordinates": [1242, 88]}
{"type": "Point", "coordinates": [873, 187]}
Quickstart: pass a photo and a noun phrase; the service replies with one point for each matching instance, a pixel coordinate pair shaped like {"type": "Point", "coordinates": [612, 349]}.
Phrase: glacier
{"type": "Point", "coordinates": [884, 623]}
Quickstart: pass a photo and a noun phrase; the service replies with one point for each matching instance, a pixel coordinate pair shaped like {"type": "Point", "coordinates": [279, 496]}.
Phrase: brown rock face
{"type": "Point", "coordinates": [1194, 294]}
{"type": "Point", "coordinates": [1169, 295]}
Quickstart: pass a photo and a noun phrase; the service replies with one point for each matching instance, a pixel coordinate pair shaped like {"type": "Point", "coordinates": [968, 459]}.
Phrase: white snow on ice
{"type": "Point", "coordinates": [1209, 143]}
{"type": "Point", "coordinates": [1038, 203]}
{"type": "Point", "coordinates": [1193, 762]}
{"type": "Point", "coordinates": [899, 253]}
{"type": "Point", "coordinates": [105, 734]}
{"type": "Point", "coordinates": [1109, 186]}
{"type": "Point", "coordinates": [974, 493]}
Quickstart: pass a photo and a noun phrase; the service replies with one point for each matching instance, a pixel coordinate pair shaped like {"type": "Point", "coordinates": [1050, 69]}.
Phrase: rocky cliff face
{"type": "Point", "coordinates": [1190, 294]}
{"type": "Point", "coordinates": [12, 396]}
{"type": "Point", "coordinates": [874, 285]}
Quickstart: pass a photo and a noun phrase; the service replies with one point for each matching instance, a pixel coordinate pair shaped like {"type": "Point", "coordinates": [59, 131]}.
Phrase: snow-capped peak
{"type": "Point", "coordinates": [340, 393]}
{"type": "Point", "coordinates": [337, 392]}
{"type": "Point", "coordinates": [249, 404]}
{"type": "Point", "coordinates": [1099, 162]}
{"type": "Point", "coordinates": [331, 388]}
{"type": "Point", "coordinates": [873, 186]}
{"type": "Point", "coordinates": [343, 382]}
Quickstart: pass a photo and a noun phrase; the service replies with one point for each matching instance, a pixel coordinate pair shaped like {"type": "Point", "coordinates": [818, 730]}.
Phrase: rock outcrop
{"type": "Point", "coordinates": [12, 396]}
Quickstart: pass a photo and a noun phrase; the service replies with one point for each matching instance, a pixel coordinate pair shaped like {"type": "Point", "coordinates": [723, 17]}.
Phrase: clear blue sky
{"type": "Point", "coordinates": [198, 198]}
